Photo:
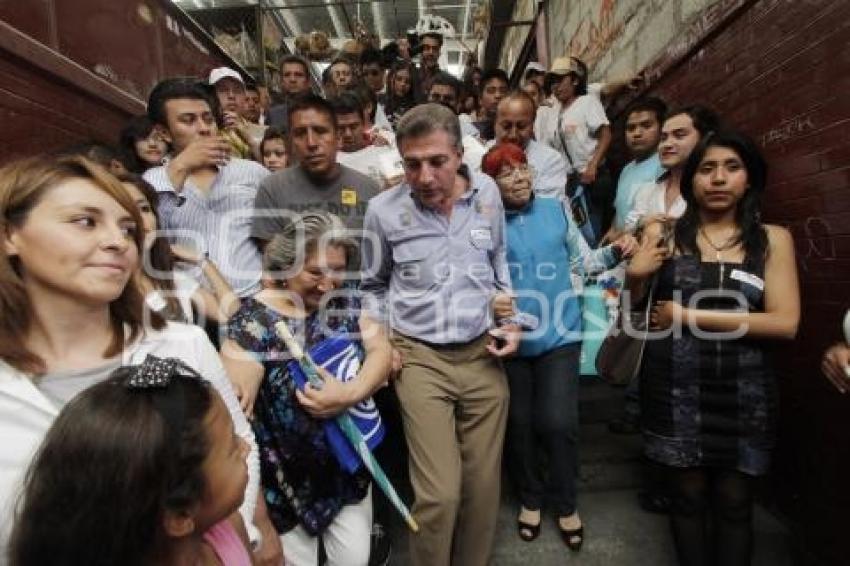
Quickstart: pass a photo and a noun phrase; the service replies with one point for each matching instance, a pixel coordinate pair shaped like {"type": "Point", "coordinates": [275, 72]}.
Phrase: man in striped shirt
{"type": "Point", "coordinates": [206, 198]}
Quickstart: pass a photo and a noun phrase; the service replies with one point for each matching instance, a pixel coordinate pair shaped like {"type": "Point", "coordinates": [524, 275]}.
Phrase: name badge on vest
{"type": "Point", "coordinates": [748, 278]}
{"type": "Point", "coordinates": [349, 197]}
{"type": "Point", "coordinates": [481, 238]}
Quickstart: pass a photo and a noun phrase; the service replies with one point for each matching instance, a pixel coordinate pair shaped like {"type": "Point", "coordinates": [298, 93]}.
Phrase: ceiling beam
{"type": "Point", "coordinates": [288, 17]}
{"type": "Point", "coordinates": [466, 11]}
{"type": "Point", "coordinates": [337, 22]}
{"type": "Point", "coordinates": [378, 19]}
{"type": "Point", "coordinates": [502, 12]}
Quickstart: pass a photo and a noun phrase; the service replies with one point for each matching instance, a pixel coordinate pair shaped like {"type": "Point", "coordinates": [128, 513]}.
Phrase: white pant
{"type": "Point", "coordinates": [346, 539]}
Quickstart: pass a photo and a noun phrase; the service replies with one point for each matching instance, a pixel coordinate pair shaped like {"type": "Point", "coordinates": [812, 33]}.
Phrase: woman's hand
{"type": "Point", "coordinates": [647, 259]}
{"type": "Point", "coordinates": [504, 341]}
{"type": "Point", "coordinates": [588, 176]}
{"type": "Point", "coordinates": [395, 368]}
{"type": "Point", "coordinates": [627, 245]}
{"type": "Point", "coordinates": [246, 387]}
{"type": "Point", "coordinates": [188, 255]}
{"type": "Point", "coordinates": [665, 314]}
{"type": "Point", "coordinates": [333, 398]}
{"type": "Point", "coordinates": [836, 366]}
{"type": "Point", "coordinates": [270, 551]}
{"type": "Point", "coordinates": [503, 305]}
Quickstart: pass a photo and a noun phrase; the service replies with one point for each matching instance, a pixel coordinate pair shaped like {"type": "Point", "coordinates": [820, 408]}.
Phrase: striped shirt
{"type": "Point", "coordinates": [217, 222]}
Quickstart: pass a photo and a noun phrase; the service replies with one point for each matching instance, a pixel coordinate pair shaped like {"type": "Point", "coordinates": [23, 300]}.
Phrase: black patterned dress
{"type": "Point", "coordinates": [708, 401]}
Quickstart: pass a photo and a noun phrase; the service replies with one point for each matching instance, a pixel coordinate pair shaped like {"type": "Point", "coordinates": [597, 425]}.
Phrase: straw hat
{"type": "Point", "coordinates": [566, 66]}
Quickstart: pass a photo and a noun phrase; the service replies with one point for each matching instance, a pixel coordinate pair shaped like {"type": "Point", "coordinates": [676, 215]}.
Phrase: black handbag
{"type": "Point", "coordinates": [621, 353]}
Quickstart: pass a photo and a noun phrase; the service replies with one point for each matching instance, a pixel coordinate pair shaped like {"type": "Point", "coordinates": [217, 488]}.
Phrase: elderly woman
{"type": "Point", "coordinates": [544, 249]}
{"type": "Point", "coordinates": [308, 493]}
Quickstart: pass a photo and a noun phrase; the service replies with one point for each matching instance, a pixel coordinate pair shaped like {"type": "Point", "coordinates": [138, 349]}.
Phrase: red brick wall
{"type": "Point", "coordinates": [75, 71]}
{"type": "Point", "coordinates": [780, 71]}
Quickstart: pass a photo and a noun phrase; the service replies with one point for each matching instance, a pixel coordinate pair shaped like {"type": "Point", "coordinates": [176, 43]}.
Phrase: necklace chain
{"type": "Point", "coordinates": [729, 243]}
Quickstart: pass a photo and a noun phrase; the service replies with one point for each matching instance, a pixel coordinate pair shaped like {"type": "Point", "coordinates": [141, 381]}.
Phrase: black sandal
{"type": "Point", "coordinates": [573, 538]}
{"type": "Point", "coordinates": [527, 531]}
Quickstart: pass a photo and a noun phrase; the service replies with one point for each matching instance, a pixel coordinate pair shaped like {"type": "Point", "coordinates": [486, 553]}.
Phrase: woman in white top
{"type": "Point", "coordinates": [680, 134]}
{"type": "Point", "coordinates": [576, 126]}
{"type": "Point", "coordinates": [70, 313]}
{"type": "Point", "coordinates": [170, 292]}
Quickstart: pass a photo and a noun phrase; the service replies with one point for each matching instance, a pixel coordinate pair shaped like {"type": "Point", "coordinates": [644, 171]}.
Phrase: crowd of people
{"type": "Point", "coordinates": [445, 229]}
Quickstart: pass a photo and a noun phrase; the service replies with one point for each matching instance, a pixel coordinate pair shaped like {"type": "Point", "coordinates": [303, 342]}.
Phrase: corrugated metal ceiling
{"type": "Point", "coordinates": [388, 19]}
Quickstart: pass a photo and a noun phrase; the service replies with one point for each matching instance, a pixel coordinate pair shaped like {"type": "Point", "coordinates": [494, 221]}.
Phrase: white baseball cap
{"type": "Point", "coordinates": [535, 66]}
{"type": "Point", "coordinates": [224, 73]}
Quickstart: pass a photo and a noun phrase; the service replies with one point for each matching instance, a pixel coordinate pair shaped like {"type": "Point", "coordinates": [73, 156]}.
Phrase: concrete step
{"type": "Point", "coordinates": [608, 461]}
{"type": "Point", "coordinates": [598, 401]}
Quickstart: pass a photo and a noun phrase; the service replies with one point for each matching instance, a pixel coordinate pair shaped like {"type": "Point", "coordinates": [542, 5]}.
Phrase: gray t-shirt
{"type": "Point", "coordinates": [62, 386]}
{"type": "Point", "coordinates": [290, 190]}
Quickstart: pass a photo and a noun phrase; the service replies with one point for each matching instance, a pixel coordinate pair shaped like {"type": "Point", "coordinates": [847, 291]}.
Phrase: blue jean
{"type": "Point", "coordinates": [543, 419]}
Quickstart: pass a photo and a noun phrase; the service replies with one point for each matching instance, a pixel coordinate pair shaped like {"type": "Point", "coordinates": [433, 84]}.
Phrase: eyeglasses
{"type": "Point", "coordinates": [517, 173]}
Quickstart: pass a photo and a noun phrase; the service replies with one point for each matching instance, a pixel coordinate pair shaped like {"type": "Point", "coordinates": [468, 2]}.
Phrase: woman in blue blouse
{"type": "Point", "coordinates": [545, 248]}
{"type": "Point", "coordinates": [308, 494]}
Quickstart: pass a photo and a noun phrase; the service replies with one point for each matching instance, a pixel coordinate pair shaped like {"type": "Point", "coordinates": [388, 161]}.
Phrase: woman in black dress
{"type": "Point", "coordinates": [725, 287]}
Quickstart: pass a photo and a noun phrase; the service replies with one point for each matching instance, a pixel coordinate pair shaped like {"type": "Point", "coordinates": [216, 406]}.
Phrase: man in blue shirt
{"type": "Point", "coordinates": [643, 132]}
{"type": "Point", "coordinates": [434, 259]}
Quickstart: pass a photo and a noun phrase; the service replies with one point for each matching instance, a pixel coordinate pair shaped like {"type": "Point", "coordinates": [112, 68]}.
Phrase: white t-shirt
{"type": "Point", "coordinates": [381, 119]}
{"type": "Point", "coordinates": [380, 162]}
{"type": "Point", "coordinates": [572, 130]}
{"type": "Point", "coordinates": [649, 200]}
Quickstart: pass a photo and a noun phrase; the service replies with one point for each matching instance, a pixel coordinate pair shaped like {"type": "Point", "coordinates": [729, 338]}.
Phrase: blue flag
{"type": "Point", "coordinates": [341, 358]}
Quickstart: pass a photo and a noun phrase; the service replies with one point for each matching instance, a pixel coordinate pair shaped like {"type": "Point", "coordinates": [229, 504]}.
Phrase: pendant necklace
{"type": "Point", "coordinates": [728, 244]}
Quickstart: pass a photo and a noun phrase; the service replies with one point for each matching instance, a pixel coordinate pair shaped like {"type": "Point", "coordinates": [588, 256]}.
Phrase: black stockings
{"type": "Point", "coordinates": [711, 516]}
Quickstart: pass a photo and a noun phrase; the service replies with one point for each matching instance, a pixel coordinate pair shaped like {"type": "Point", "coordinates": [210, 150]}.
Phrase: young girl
{"type": "Point", "coordinates": [173, 293]}
{"type": "Point", "coordinates": [149, 467]}
{"type": "Point", "coordinates": [727, 288]}
{"type": "Point", "coordinates": [273, 150]}
{"type": "Point", "coordinates": [140, 145]}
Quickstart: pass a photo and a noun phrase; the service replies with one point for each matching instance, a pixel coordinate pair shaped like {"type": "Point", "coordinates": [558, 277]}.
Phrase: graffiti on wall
{"type": "Point", "coordinates": [595, 35]}
{"type": "Point", "coordinates": [690, 36]}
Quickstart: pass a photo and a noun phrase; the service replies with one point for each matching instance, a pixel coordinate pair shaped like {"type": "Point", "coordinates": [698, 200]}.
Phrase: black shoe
{"type": "Point", "coordinates": [623, 426]}
{"type": "Point", "coordinates": [381, 547]}
{"type": "Point", "coordinates": [654, 502]}
{"type": "Point", "coordinates": [573, 538]}
{"type": "Point", "coordinates": [527, 531]}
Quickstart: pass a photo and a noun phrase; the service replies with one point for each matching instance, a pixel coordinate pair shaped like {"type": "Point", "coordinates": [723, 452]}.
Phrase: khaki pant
{"type": "Point", "coordinates": [454, 405]}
